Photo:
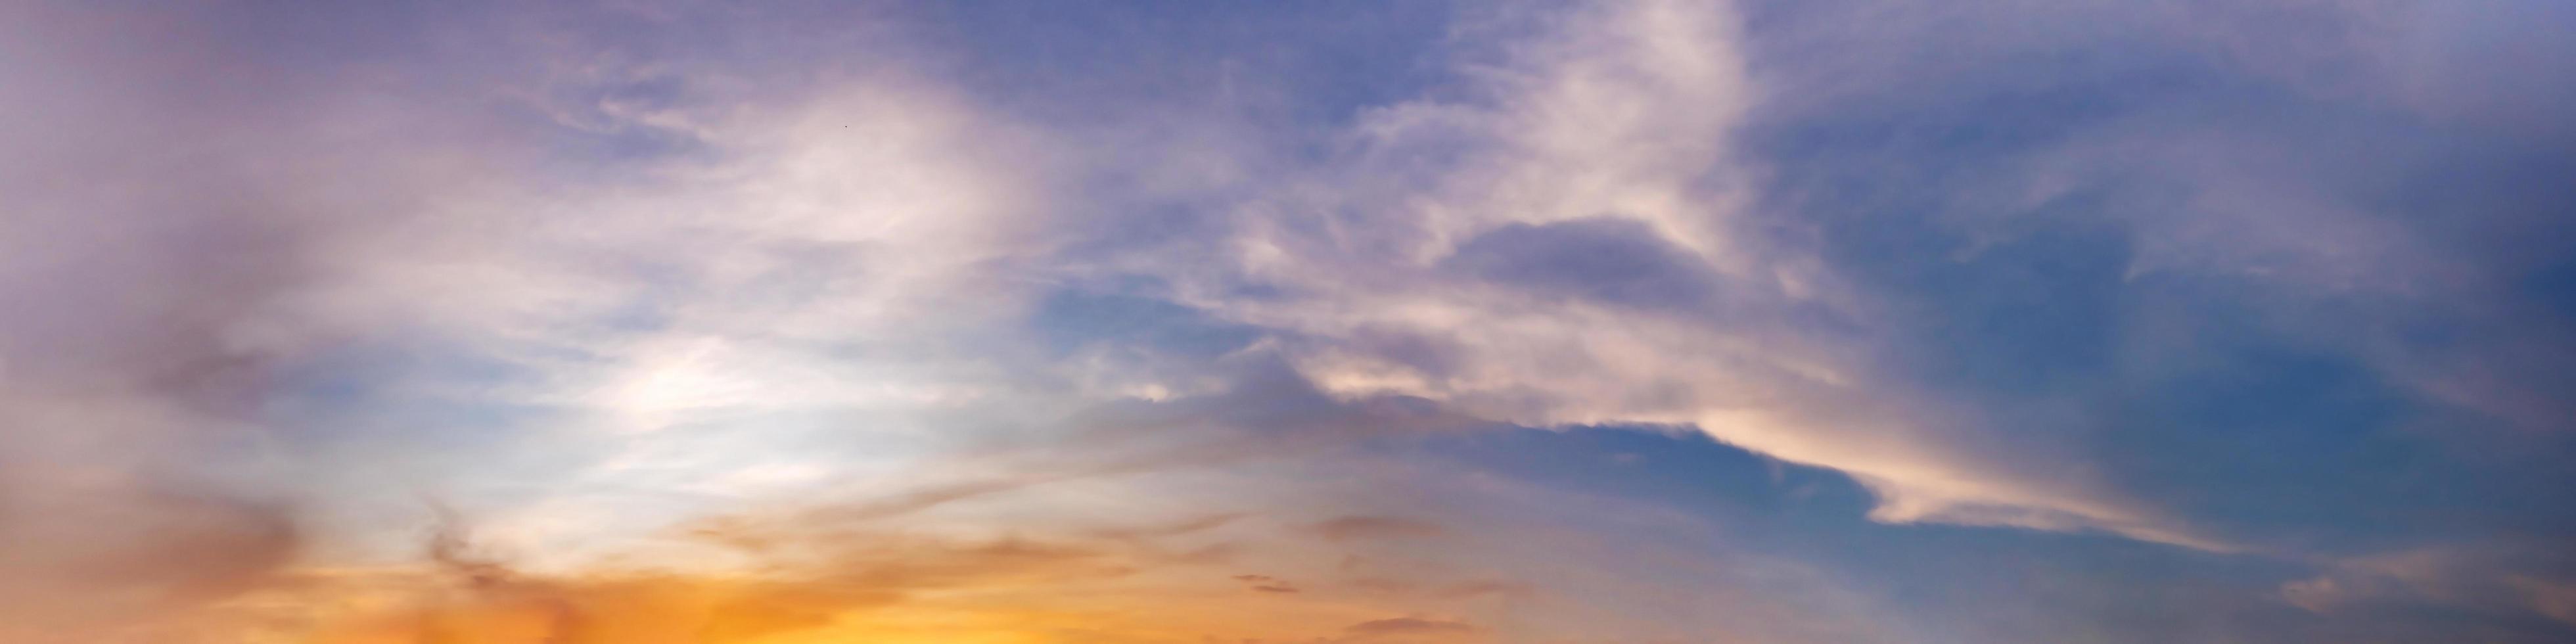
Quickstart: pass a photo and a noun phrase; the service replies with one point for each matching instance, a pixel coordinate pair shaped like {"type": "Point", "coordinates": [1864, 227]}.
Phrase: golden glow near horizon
{"type": "Point", "coordinates": [1423, 322]}
{"type": "Point", "coordinates": [791, 585]}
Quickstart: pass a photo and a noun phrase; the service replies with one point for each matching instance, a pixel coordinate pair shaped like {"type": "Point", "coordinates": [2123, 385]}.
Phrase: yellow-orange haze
{"type": "Point", "coordinates": [667, 610]}
{"type": "Point", "coordinates": [825, 587]}
{"type": "Point", "coordinates": [808, 586]}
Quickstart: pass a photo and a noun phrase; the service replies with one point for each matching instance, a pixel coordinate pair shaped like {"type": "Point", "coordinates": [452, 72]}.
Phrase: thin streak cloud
{"type": "Point", "coordinates": [1025, 322]}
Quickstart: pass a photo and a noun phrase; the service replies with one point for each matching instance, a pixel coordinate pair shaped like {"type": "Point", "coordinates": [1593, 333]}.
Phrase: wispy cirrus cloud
{"type": "Point", "coordinates": [1573, 243]}
{"type": "Point", "coordinates": [1018, 322]}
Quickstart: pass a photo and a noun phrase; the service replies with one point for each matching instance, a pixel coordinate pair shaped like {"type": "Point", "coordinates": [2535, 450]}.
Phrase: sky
{"type": "Point", "coordinates": [1329, 322]}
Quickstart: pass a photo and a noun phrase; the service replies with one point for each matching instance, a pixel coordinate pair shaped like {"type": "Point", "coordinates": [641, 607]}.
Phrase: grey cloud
{"type": "Point", "coordinates": [2502, 577]}
{"type": "Point", "coordinates": [158, 241]}
{"type": "Point", "coordinates": [1607, 259]}
{"type": "Point", "coordinates": [2299, 151]}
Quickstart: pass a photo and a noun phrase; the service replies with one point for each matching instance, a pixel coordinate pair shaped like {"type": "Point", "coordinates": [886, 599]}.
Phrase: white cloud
{"type": "Point", "coordinates": [1624, 114]}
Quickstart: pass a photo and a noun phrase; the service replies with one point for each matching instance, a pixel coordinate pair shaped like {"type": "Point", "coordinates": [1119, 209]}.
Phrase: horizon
{"type": "Point", "coordinates": [1334, 322]}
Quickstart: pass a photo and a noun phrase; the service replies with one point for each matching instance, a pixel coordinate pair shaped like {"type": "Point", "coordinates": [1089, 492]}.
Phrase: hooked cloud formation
{"type": "Point", "coordinates": [1627, 320]}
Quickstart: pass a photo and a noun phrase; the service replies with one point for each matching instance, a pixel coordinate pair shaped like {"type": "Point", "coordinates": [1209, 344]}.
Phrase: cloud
{"type": "Point", "coordinates": [794, 575]}
{"type": "Point", "coordinates": [1378, 527]}
{"type": "Point", "coordinates": [800, 582]}
{"type": "Point", "coordinates": [1409, 629]}
{"type": "Point", "coordinates": [2501, 577]}
{"type": "Point", "coordinates": [154, 258]}
{"type": "Point", "coordinates": [2110, 204]}
{"type": "Point", "coordinates": [593, 271]}
{"type": "Point", "coordinates": [240, 282]}
{"type": "Point", "coordinates": [1572, 241]}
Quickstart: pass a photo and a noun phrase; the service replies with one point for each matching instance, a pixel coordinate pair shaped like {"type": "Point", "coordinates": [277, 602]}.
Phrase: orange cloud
{"type": "Point", "coordinates": [784, 579]}
{"type": "Point", "coordinates": [1378, 527]}
{"type": "Point", "coordinates": [1409, 629]}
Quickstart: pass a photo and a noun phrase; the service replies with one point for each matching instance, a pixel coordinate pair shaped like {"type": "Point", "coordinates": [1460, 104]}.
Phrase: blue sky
{"type": "Point", "coordinates": [1651, 321]}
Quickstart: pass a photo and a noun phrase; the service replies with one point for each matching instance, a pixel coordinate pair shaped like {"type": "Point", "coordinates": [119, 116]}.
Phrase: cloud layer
{"type": "Point", "coordinates": [1520, 322]}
